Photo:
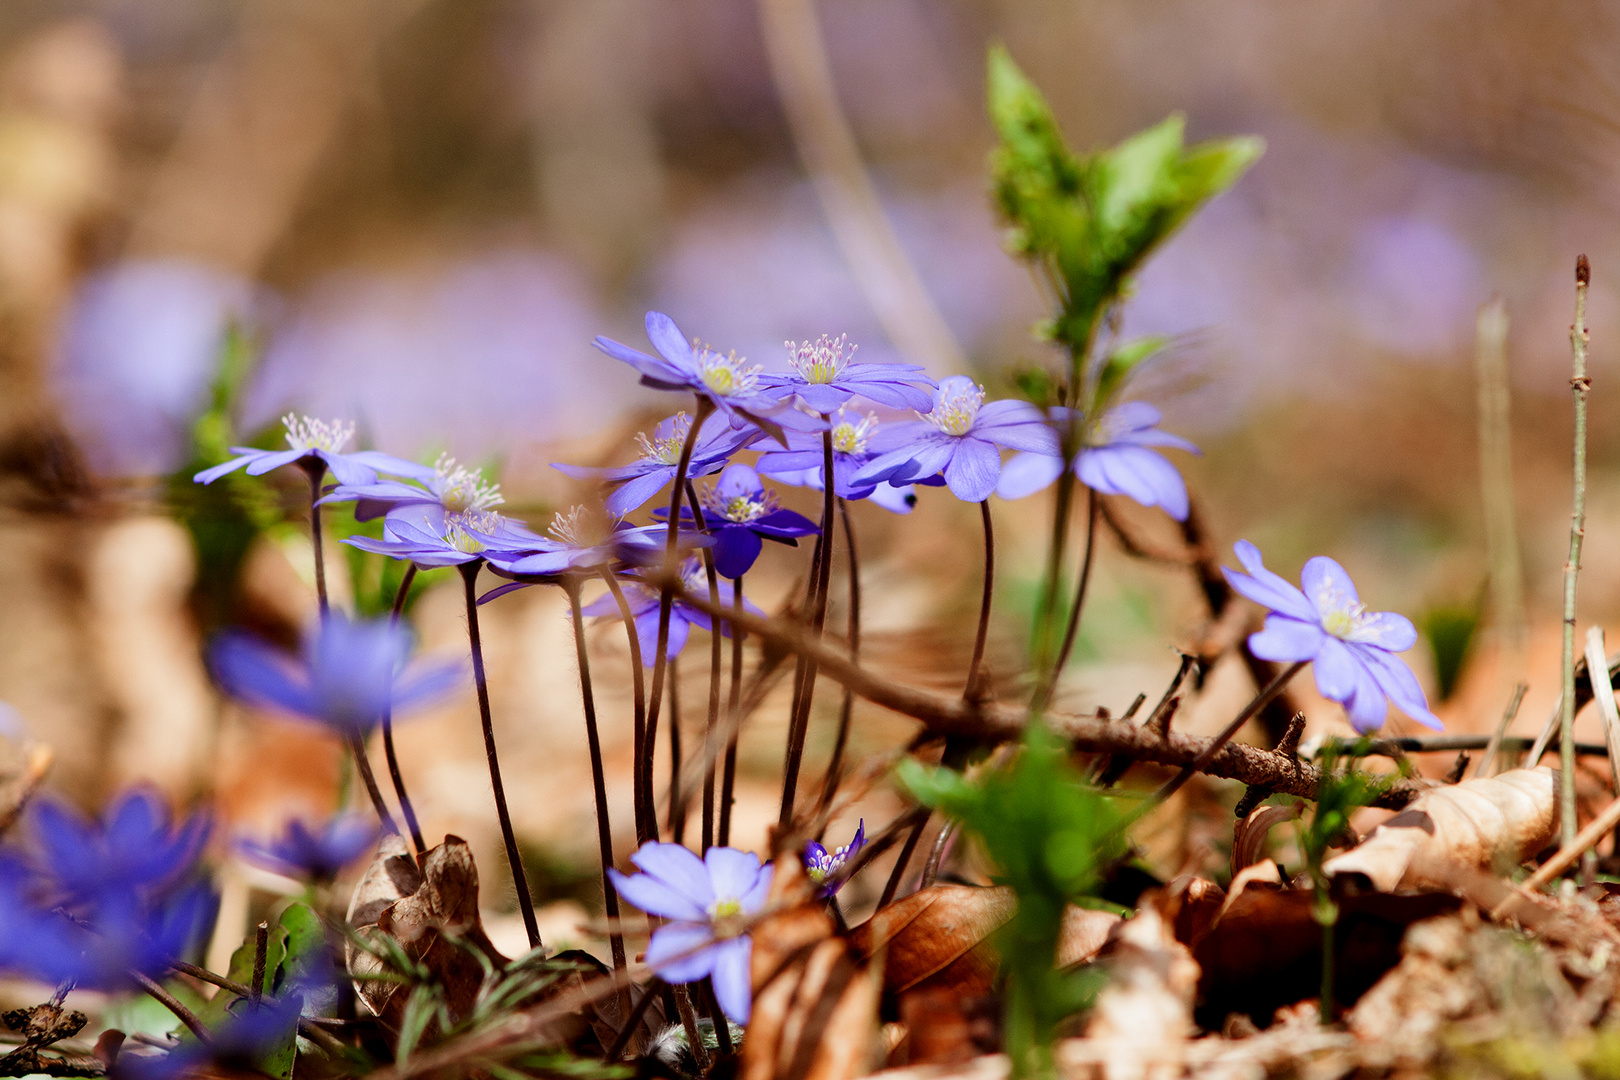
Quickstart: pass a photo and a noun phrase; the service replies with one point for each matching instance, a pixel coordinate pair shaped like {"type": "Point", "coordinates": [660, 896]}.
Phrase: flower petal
{"type": "Point", "coordinates": [1026, 473]}
{"type": "Point", "coordinates": [733, 872]}
{"type": "Point", "coordinates": [733, 982]}
{"type": "Point", "coordinates": [735, 549]}
{"type": "Point", "coordinates": [1368, 708]}
{"type": "Point", "coordinates": [266, 462]}
{"type": "Point", "coordinates": [1398, 684]}
{"type": "Point", "coordinates": [682, 952]}
{"type": "Point", "coordinates": [1386, 630]}
{"type": "Point", "coordinates": [973, 470]}
{"type": "Point", "coordinates": [1286, 640]}
{"type": "Point", "coordinates": [1337, 670]}
{"type": "Point", "coordinates": [668, 340]}
{"type": "Point", "coordinates": [1266, 588]}
{"type": "Point", "coordinates": [1326, 585]}
{"type": "Point", "coordinates": [208, 476]}
{"type": "Point", "coordinates": [654, 897]}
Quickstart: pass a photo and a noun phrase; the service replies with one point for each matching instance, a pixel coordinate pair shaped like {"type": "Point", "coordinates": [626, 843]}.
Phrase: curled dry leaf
{"type": "Point", "coordinates": [1192, 906]}
{"type": "Point", "coordinates": [1249, 833]}
{"type": "Point", "coordinates": [1143, 1018]}
{"type": "Point", "coordinates": [815, 1013]}
{"type": "Point", "coordinates": [437, 922]}
{"type": "Point", "coordinates": [1492, 824]}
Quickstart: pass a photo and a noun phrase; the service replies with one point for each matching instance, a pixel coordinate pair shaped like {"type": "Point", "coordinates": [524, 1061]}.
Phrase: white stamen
{"type": "Point", "coordinates": [726, 375]}
{"type": "Point", "coordinates": [305, 433]}
{"type": "Point", "coordinates": [666, 450]}
{"type": "Point", "coordinates": [956, 408]}
{"type": "Point", "coordinates": [850, 436]}
{"type": "Point", "coordinates": [821, 361]}
{"type": "Point", "coordinates": [459, 529]}
{"type": "Point", "coordinates": [739, 508]}
{"type": "Point", "coordinates": [463, 490]}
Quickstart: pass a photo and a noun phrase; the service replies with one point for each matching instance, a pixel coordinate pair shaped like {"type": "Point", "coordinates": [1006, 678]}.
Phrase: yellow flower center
{"type": "Point", "coordinates": [849, 436]}
{"type": "Point", "coordinates": [820, 361]}
{"type": "Point", "coordinates": [726, 375]}
{"type": "Point", "coordinates": [957, 408]}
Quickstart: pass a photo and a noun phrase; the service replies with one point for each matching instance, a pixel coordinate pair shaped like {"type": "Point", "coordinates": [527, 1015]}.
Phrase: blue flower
{"type": "Point", "coordinates": [135, 850]}
{"type": "Point", "coordinates": [825, 376]}
{"type": "Point", "coordinates": [821, 864]}
{"type": "Point", "coordinates": [708, 902]}
{"type": "Point", "coordinates": [130, 935]}
{"type": "Point", "coordinates": [584, 540]}
{"type": "Point", "coordinates": [348, 674]}
{"type": "Point", "coordinates": [1115, 460]}
{"type": "Point", "coordinates": [802, 462]}
{"type": "Point", "coordinates": [739, 512]}
{"type": "Point", "coordinates": [645, 477]}
{"type": "Point", "coordinates": [238, 1047]}
{"type": "Point", "coordinates": [962, 438]}
{"type": "Point", "coordinates": [726, 380]}
{"type": "Point", "coordinates": [310, 441]}
{"type": "Point", "coordinates": [320, 852]}
{"type": "Point", "coordinates": [448, 489]}
{"type": "Point", "coordinates": [1352, 648]}
{"type": "Point", "coordinates": [644, 601]}
{"type": "Point", "coordinates": [432, 540]}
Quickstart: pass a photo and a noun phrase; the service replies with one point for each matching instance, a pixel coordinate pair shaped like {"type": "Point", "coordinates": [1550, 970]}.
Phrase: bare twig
{"type": "Point", "coordinates": [1487, 761]}
{"type": "Point", "coordinates": [1605, 700]}
{"type": "Point", "coordinates": [1580, 385]}
{"type": "Point", "coordinates": [1496, 482]}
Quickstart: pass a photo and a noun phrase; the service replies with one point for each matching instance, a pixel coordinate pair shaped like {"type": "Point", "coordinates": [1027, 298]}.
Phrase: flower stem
{"type": "Point", "coordinates": [666, 600]}
{"type": "Point", "coordinates": [677, 804]}
{"type": "Point", "coordinates": [899, 872]}
{"type": "Point", "coordinates": [172, 1003]}
{"type": "Point", "coordinates": [604, 830]}
{"type": "Point", "coordinates": [520, 880]}
{"type": "Point", "coordinates": [716, 660]}
{"type": "Point", "coordinates": [972, 690]}
{"type": "Point", "coordinates": [936, 856]}
{"type": "Point", "coordinates": [315, 469]}
{"type": "Point", "coordinates": [1049, 687]}
{"type": "Point", "coordinates": [1579, 384]}
{"type": "Point", "coordinates": [394, 772]}
{"type": "Point", "coordinates": [1269, 691]}
{"type": "Point", "coordinates": [835, 765]}
{"type": "Point", "coordinates": [362, 761]}
{"type": "Point", "coordinates": [643, 831]}
{"type": "Point", "coordinates": [728, 775]}
{"type": "Point", "coordinates": [683, 1005]}
{"type": "Point", "coordinates": [800, 725]}
{"type": "Point", "coordinates": [1325, 1005]}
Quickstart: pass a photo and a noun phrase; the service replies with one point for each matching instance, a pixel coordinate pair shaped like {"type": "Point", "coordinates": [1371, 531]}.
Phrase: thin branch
{"type": "Point", "coordinates": [1579, 385]}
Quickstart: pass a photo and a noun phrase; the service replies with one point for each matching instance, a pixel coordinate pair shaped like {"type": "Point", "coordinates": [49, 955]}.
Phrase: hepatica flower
{"type": "Point", "coordinates": [136, 848]}
{"type": "Point", "coordinates": [741, 514]}
{"type": "Point", "coordinates": [708, 902]}
{"type": "Point", "coordinates": [961, 438]}
{"type": "Point", "coordinates": [820, 865]}
{"type": "Point", "coordinates": [1324, 621]}
{"type": "Point", "coordinates": [320, 851]}
{"type": "Point", "coordinates": [645, 477]}
{"type": "Point", "coordinates": [726, 379]}
{"type": "Point", "coordinates": [451, 540]}
{"type": "Point", "coordinates": [801, 464]}
{"type": "Point", "coordinates": [348, 674]}
{"type": "Point", "coordinates": [583, 540]}
{"type": "Point", "coordinates": [825, 376]}
{"type": "Point", "coordinates": [1117, 459]}
{"type": "Point", "coordinates": [315, 441]}
{"type": "Point", "coordinates": [448, 489]}
{"type": "Point", "coordinates": [644, 601]}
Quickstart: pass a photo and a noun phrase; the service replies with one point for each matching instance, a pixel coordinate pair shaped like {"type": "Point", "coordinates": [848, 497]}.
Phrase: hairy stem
{"type": "Point", "coordinates": [520, 879]}
{"type": "Point", "coordinates": [315, 469]}
{"type": "Point", "coordinates": [972, 690]}
{"type": "Point", "coordinates": [835, 765]}
{"type": "Point", "coordinates": [604, 829]}
{"type": "Point", "coordinates": [644, 829]}
{"type": "Point", "coordinates": [800, 725]}
{"type": "Point", "coordinates": [1579, 384]}
{"type": "Point", "coordinates": [716, 660]}
{"type": "Point", "coordinates": [172, 1003]}
{"type": "Point", "coordinates": [394, 772]}
{"type": "Point", "coordinates": [677, 803]}
{"type": "Point", "coordinates": [728, 774]}
{"type": "Point", "coordinates": [1049, 687]}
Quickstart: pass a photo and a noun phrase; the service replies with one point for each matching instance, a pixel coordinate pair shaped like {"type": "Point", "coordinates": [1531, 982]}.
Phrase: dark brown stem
{"type": "Point", "coordinates": [683, 1005]}
{"type": "Point", "coordinates": [936, 856]}
{"type": "Point", "coordinates": [716, 660]}
{"type": "Point", "coordinates": [1205, 756]}
{"type": "Point", "coordinates": [315, 469]}
{"type": "Point", "coordinates": [892, 886]}
{"type": "Point", "coordinates": [520, 879]}
{"type": "Point", "coordinates": [800, 725]}
{"type": "Point", "coordinates": [362, 761]}
{"type": "Point", "coordinates": [1071, 630]}
{"type": "Point", "coordinates": [604, 830]}
{"type": "Point", "coordinates": [846, 710]}
{"type": "Point", "coordinates": [633, 1021]}
{"type": "Point", "coordinates": [394, 772]}
{"type": "Point", "coordinates": [728, 775]}
{"type": "Point", "coordinates": [644, 829]}
{"type": "Point", "coordinates": [172, 1003]}
{"type": "Point", "coordinates": [677, 804]}
{"type": "Point", "coordinates": [972, 690]}
{"type": "Point", "coordinates": [261, 955]}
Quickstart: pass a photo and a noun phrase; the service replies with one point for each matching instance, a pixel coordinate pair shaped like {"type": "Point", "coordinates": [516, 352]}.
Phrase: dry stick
{"type": "Point", "coordinates": [1567, 854]}
{"type": "Point", "coordinates": [728, 775]}
{"type": "Point", "coordinates": [357, 746]}
{"type": "Point", "coordinates": [1579, 386]}
{"type": "Point", "coordinates": [677, 804]}
{"type": "Point", "coordinates": [172, 1003]}
{"type": "Point", "coordinates": [1487, 760]}
{"type": "Point", "coordinates": [800, 725]}
{"type": "Point", "coordinates": [1496, 483]}
{"type": "Point", "coordinates": [644, 831]}
{"type": "Point", "coordinates": [315, 469]}
{"type": "Point", "coordinates": [893, 884]}
{"type": "Point", "coordinates": [1043, 697]}
{"type": "Point", "coordinates": [394, 772]}
{"type": "Point", "coordinates": [715, 655]}
{"type": "Point", "coordinates": [633, 1021]}
{"type": "Point", "coordinates": [972, 690]}
{"type": "Point", "coordinates": [261, 956]}
{"type": "Point", "coordinates": [694, 1041]}
{"type": "Point", "coordinates": [846, 711]}
{"type": "Point", "coordinates": [604, 830]}
{"type": "Point", "coordinates": [520, 879]}
{"type": "Point", "coordinates": [666, 598]}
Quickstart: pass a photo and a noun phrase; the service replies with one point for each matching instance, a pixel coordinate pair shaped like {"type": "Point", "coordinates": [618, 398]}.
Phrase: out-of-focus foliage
{"type": "Point", "coordinates": [1051, 836]}
{"type": "Point", "coordinates": [1449, 630]}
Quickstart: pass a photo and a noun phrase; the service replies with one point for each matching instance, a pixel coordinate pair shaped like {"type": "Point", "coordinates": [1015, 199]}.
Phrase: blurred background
{"type": "Point", "coordinates": [417, 213]}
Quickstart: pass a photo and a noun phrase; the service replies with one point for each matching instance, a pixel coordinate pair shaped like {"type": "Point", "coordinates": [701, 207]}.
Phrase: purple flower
{"type": "Point", "coordinates": [726, 380]}
{"type": "Point", "coordinates": [311, 441]}
{"type": "Point", "coordinates": [320, 852]}
{"type": "Point", "coordinates": [100, 951]}
{"type": "Point", "coordinates": [645, 477]}
{"type": "Point", "coordinates": [583, 541]}
{"type": "Point", "coordinates": [708, 902]}
{"type": "Point", "coordinates": [740, 514]}
{"type": "Point", "coordinates": [802, 462]}
{"type": "Point", "coordinates": [251, 1033]}
{"type": "Point", "coordinates": [137, 848]}
{"type": "Point", "coordinates": [1115, 460]}
{"type": "Point", "coordinates": [348, 674]}
{"type": "Point", "coordinates": [643, 601]}
{"type": "Point", "coordinates": [820, 864]}
{"type": "Point", "coordinates": [430, 539]}
{"type": "Point", "coordinates": [1325, 622]}
{"type": "Point", "coordinates": [825, 376]}
{"type": "Point", "coordinates": [960, 438]}
{"type": "Point", "coordinates": [448, 489]}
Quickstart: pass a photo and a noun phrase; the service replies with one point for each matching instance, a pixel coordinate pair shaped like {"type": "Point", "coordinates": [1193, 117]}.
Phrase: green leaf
{"type": "Point", "coordinates": [1118, 365]}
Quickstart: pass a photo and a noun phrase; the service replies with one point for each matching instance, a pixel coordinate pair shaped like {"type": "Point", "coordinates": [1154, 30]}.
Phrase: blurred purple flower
{"type": "Point", "coordinates": [251, 1033]}
{"type": "Point", "coordinates": [348, 674]}
{"type": "Point", "coordinates": [821, 864]}
{"type": "Point", "coordinates": [708, 902]}
{"type": "Point", "coordinates": [960, 438]}
{"type": "Point", "coordinates": [801, 464]}
{"type": "Point", "coordinates": [1326, 623]}
{"type": "Point", "coordinates": [643, 601]}
{"type": "Point", "coordinates": [1115, 460]}
{"type": "Point", "coordinates": [320, 852]}
{"type": "Point", "coordinates": [309, 441]}
{"type": "Point", "coordinates": [643, 478]}
{"type": "Point", "coordinates": [825, 377]}
{"type": "Point", "coordinates": [431, 539]}
{"type": "Point", "coordinates": [135, 849]}
{"type": "Point", "coordinates": [448, 488]}
{"type": "Point", "coordinates": [585, 541]}
{"type": "Point", "coordinates": [740, 514]}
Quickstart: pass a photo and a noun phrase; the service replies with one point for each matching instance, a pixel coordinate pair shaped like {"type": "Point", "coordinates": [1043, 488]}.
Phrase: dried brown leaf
{"type": "Point", "coordinates": [1249, 833]}
{"type": "Point", "coordinates": [1194, 903]}
{"type": "Point", "coordinates": [1492, 824]}
{"type": "Point", "coordinates": [937, 931]}
{"type": "Point", "coordinates": [1143, 1018]}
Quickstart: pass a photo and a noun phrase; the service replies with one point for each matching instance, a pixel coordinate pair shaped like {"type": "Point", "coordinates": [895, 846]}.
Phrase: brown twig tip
{"type": "Point", "coordinates": [1583, 271]}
